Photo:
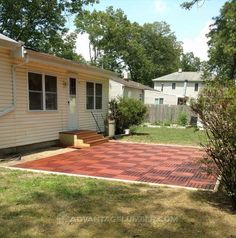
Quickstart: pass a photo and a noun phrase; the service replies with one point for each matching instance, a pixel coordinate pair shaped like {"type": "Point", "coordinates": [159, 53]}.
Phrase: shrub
{"type": "Point", "coordinates": [166, 123]}
{"type": "Point", "coordinates": [216, 107]}
{"type": "Point", "coordinates": [182, 119]}
{"type": "Point", "coordinates": [158, 123]}
{"type": "Point", "coordinates": [127, 112]}
{"type": "Point", "coordinates": [133, 129]}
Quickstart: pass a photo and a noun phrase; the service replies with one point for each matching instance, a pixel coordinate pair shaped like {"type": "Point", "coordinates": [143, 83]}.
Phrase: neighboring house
{"type": "Point", "coordinates": [119, 87]}
{"type": "Point", "coordinates": [157, 98]}
{"type": "Point", "coordinates": [184, 85]}
{"type": "Point", "coordinates": [127, 88]}
{"type": "Point", "coordinates": [42, 95]}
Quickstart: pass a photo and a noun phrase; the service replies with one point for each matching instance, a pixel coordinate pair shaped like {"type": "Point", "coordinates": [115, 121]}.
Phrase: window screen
{"type": "Point", "coordinates": [98, 96]}
{"type": "Point", "coordinates": [90, 95]}
{"type": "Point", "coordinates": [42, 87]}
{"type": "Point", "coordinates": [72, 86]}
{"type": "Point", "coordinates": [51, 92]}
{"type": "Point", "coordinates": [35, 91]}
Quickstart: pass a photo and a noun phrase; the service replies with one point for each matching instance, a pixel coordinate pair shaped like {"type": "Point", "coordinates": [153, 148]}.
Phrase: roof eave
{"type": "Point", "coordinates": [47, 59]}
{"type": "Point", "coordinates": [9, 44]}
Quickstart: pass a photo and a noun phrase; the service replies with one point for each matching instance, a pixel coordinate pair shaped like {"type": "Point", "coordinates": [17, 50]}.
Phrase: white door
{"type": "Point", "coordinates": [72, 103]}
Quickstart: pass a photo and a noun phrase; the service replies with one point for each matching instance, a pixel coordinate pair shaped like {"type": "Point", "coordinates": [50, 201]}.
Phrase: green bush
{"type": "Point", "coordinates": [127, 112]}
{"type": "Point", "coordinates": [182, 119]}
{"type": "Point", "coordinates": [133, 129]}
{"type": "Point", "coordinates": [158, 123]}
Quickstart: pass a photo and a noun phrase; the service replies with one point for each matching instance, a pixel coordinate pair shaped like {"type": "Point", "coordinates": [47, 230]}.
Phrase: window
{"type": "Point", "coordinates": [42, 92]}
{"type": "Point", "coordinates": [141, 97]}
{"type": "Point", "coordinates": [98, 93]}
{"type": "Point", "coordinates": [173, 86]}
{"type": "Point", "coordinates": [35, 91]}
{"type": "Point", "coordinates": [159, 101]}
{"type": "Point", "coordinates": [162, 87]}
{"type": "Point", "coordinates": [182, 101]}
{"type": "Point", "coordinates": [196, 87]}
{"type": "Point", "coordinates": [72, 86]}
{"type": "Point", "coordinates": [94, 95]}
{"type": "Point", "coordinates": [51, 92]}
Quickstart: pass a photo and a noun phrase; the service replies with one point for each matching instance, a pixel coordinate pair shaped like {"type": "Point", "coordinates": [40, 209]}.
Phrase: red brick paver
{"type": "Point", "coordinates": [169, 165]}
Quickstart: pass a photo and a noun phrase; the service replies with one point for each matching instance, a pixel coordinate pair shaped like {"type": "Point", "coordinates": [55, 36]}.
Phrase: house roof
{"type": "Point", "coordinates": [65, 63]}
{"type": "Point", "coordinates": [132, 84]}
{"type": "Point", "coordinates": [5, 38]}
{"type": "Point", "coordinates": [8, 42]}
{"type": "Point", "coordinates": [180, 76]}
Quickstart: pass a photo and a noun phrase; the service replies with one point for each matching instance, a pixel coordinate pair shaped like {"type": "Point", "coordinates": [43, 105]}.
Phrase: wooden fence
{"type": "Point", "coordinates": [169, 113]}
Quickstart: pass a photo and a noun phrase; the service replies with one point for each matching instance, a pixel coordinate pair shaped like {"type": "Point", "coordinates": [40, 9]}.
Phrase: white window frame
{"type": "Point", "coordinates": [161, 99]}
{"type": "Point", "coordinates": [157, 101]}
{"type": "Point", "coordinates": [94, 99]}
{"type": "Point", "coordinates": [44, 91]}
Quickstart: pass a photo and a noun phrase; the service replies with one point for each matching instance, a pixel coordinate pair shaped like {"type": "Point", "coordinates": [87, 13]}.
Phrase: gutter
{"type": "Point", "coordinates": [69, 65]}
{"type": "Point", "coordinates": [185, 87]}
{"type": "Point", "coordinates": [13, 72]}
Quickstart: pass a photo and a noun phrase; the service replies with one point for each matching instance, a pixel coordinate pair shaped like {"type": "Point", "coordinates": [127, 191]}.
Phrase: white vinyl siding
{"type": "Point", "coordinates": [23, 127]}
{"type": "Point", "coordinates": [116, 90]}
{"type": "Point", "coordinates": [150, 96]}
{"type": "Point", "coordinates": [86, 120]}
{"type": "Point", "coordinates": [6, 79]}
{"type": "Point", "coordinates": [132, 93]}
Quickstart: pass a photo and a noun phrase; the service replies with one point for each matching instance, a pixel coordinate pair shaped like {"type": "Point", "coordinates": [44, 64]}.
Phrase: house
{"type": "Point", "coordinates": [119, 87]}
{"type": "Point", "coordinates": [184, 85]}
{"type": "Point", "coordinates": [42, 95]}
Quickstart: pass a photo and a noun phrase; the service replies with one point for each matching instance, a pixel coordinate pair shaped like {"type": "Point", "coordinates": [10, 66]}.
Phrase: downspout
{"type": "Point", "coordinates": [185, 87]}
{"type": "Point", "coordinates": [13, 72]}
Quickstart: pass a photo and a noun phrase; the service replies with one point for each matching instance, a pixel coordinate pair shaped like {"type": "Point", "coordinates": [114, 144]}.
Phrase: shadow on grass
{"type": "Point", "coordinates": [61, 206]}
{"type": "Point", "coordinates": [218, 199]}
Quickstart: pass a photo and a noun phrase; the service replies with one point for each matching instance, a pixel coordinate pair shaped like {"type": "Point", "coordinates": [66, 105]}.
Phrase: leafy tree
{"type": "Point", "coordinates": [161, 48]}
{"type": "Point", "coordinates": [190, 63]}
{"type": "Point", "coordinates": [189, 4]}
{"type": "Point", "coordinates": [222, 42]}
{"type": "Point", "coordinates": [147, 51]}
{"type": "Point", "coordinates": [41, 24]}
{"type": "Point", "coordinates": [216, 107]}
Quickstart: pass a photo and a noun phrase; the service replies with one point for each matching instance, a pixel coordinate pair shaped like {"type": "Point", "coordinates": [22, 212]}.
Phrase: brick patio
{"type": "Point", "coordinates": [170, 165]}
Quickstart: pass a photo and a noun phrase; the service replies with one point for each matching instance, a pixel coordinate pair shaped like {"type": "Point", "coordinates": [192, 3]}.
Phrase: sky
{"type": "Point", "coordinates": [189, 26]}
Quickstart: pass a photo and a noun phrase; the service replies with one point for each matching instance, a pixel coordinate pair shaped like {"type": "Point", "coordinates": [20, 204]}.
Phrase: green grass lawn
{"type": "Point", "coordinates": [166, 135]}
{"type": "Point", "coordinates": [39, 205]}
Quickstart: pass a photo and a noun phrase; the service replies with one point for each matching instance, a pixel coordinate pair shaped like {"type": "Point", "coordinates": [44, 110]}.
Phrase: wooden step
{"type": "Point", "coordinates": [98, 142]}
{"type": "Point", "coordinates": [82, 138]}
{"type": "Point", "coordinates": [80, 132]}
{"type": "Point", "coordinates": [91, 138]}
